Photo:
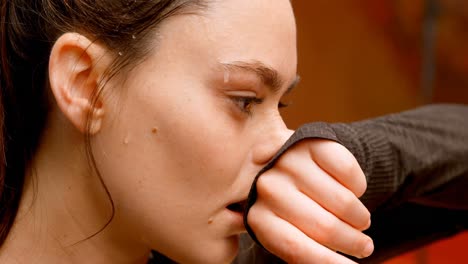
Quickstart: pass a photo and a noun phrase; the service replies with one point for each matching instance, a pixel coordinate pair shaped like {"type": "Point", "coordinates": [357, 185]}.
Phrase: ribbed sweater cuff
{"type": "Point", "coordinates": [376, 157]}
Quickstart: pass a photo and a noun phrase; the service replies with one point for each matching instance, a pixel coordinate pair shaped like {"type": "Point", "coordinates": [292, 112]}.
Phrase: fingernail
{"type": "Point", "coordinates": [368, 249]}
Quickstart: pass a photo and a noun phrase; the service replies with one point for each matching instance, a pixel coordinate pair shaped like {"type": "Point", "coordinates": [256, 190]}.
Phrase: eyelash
{"type": "Point", "coordinates": [245, 104]}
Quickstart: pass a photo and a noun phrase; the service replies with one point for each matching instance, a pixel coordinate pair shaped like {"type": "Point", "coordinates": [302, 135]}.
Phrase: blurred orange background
{"type": "Point", "coordinates": [361, 59]}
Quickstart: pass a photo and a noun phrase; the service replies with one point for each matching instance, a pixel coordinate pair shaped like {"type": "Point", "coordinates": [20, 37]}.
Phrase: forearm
{"type": "Point", "coordinates": [416, 164]}
{"type": "Point", "coordinates": [419, 156]}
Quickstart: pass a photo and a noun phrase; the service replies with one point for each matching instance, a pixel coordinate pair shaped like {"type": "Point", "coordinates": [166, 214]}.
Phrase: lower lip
{"type": "Point", "coordinates": [237, 220]}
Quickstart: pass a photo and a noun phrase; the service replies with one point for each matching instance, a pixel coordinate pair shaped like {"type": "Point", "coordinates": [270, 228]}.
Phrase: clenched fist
{"type": "Point", "coordinates": [308, 205]}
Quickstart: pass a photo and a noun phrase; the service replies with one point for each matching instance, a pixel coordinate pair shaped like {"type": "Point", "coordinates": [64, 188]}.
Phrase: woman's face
{"type": "Point", "coordinates": [194, 122]}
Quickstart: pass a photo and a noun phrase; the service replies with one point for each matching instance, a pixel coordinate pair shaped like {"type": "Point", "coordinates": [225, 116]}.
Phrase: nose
{"type": "Point", "coordinates": [269, 142]}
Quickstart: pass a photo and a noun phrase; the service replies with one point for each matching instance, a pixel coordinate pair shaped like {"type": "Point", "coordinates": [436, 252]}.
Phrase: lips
{"type": "Point", "coordinates": [238, 207]}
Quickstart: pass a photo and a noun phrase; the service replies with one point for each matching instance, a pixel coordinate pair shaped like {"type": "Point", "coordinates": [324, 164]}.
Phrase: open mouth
{"type": "Point", "coordinates": [238, 207]}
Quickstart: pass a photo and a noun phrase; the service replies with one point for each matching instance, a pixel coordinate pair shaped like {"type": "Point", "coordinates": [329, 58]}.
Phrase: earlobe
{"type": "Point", "coordinates": [76, 67]}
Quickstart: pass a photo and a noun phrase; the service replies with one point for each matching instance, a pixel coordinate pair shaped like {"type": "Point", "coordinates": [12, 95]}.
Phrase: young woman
{"type": "Point", "coordinates": [131, 126]}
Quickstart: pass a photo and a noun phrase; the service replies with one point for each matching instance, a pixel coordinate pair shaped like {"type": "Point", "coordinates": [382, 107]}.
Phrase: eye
{"type": "Point", "coordinates": [245, 104]}
{"type": "Point", "coordinates": [282, 105]}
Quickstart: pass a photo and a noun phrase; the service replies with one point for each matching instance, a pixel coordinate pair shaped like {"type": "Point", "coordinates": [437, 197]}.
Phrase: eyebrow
{"type": "Point", "coordinates": [269, 76]}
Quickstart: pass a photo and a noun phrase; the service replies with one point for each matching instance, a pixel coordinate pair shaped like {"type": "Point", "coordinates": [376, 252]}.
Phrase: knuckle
{"type": "Point", "coordinates": [265, 187]}
{"type": "Point", "coordinates": [292, 250]}
{"type": "Point", "coordinates": [286, 160]}
{"type": "Point", "coordinates": [345, 202]}
{"type": "Point", "coordinates": [366, 221]}
{"type": "Point", "coordinates": [290, 157]}
{"type": "Point", "coordinates": [362, 218]}
{"type": "Point", "coordinates": [347, 164]}
{"type": "Point", "coordinates": [360, 180]}
{"type": "Point", "coordinates": [360, 245]}
{"type": "Point", "coordinates": [362, 187]}
{"type": "Point", "coordinates": [254, 216]}
{"type": "Point", "coordinates": [326, 229]}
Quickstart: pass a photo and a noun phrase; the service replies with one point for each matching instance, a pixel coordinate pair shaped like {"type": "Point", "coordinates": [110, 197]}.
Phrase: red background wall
{"type": "Point", "coordinates": [360, 59]}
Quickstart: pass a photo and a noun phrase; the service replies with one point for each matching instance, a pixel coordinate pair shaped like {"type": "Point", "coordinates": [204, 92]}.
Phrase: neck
{"type": "Point", "coordinates": [62, 208]}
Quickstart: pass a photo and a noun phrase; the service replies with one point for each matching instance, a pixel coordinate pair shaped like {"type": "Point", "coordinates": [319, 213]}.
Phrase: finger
{"type": "Point", "coordinates": [333, 196]}
{"type": "Point", "coordinates": [316, 222]}
{"type": "Point", "coordinates": [340, 163]}
{"type": "Point", "coordinates": [325, 190]}
{"type": "Point", "coordinates": [286, 241]}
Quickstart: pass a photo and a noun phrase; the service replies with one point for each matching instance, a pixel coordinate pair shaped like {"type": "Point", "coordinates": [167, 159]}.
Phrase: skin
{"type": "Point", "coordinates": [176, 140]}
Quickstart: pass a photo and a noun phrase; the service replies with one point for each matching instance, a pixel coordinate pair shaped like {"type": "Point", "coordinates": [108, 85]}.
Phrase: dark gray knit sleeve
{"type": "Point", "coordinates": [416, 165]}
{"type": "Point", "coordinates": [419, 156]}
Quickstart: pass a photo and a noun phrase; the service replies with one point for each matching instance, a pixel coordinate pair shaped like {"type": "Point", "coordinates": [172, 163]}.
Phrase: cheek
{"type": "Point", "coordinates": [186, 168]}
{"type": "Point", "coordinates": [202, 146]}
{"type": "Point", "coordinates": [167, 184]}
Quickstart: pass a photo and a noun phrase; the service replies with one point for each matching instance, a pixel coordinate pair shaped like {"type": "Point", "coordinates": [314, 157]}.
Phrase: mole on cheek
{"type": "Point", "coordinates": [210, 221]}
{"type": "Point", "coordinates": [154, 130]}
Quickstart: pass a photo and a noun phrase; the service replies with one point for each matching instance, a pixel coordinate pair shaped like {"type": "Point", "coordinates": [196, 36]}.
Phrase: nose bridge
{"type": "Point", "coordinates": [270, 140]}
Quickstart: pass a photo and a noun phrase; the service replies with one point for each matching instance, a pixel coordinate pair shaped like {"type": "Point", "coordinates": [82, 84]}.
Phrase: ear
{"type": "Point", "coordinates": [76, 66]}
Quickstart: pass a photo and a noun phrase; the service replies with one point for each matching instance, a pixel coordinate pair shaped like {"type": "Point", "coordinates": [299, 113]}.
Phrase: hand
{"type": "Point", "coordinates": [307, 206]}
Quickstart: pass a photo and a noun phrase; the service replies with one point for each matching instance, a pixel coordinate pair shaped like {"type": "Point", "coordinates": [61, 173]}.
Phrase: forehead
{"type": "Point", "coordinates": [261, 30]}
{"type": "Point", "coordinates": [238, 30]}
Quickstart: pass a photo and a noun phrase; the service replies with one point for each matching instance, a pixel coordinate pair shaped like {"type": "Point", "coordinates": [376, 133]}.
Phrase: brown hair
{"type": "Point", "coordinates": [28, 30]}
